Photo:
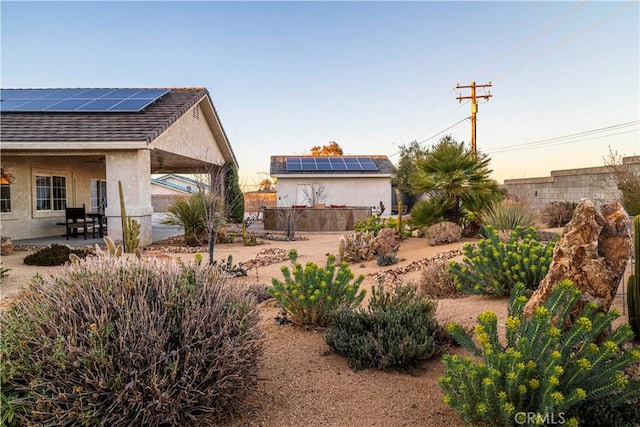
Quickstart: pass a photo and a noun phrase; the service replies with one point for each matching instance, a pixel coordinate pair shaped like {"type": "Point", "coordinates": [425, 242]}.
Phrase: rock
{"type": "Point", "coordinates": [592, 253]}
{"type": "Point", "coordinates": [7, 246]}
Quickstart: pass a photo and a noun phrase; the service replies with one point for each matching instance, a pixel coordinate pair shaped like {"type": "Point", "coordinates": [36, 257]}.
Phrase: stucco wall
{"type": "Point", "coordinates": [570, 185]}
{"type": "Point", "coordinates": [24, 221]}
{"type": "Point", "coordinates": [190, 137]}
{"type": "Point", "coordinates": [348, 191]}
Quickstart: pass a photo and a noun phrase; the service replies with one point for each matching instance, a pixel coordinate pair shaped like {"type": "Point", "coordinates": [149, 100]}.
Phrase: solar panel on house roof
{"type": "Point", "coordinates": [78, 100]}
{"type": "Point", "coordinates": [314, 163]}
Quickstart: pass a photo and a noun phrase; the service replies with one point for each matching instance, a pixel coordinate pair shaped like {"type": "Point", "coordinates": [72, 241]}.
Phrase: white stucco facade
{"type": "Point", "coordinates": [193, 142]}
{"type": "Point", "coordinates": [348, 190]}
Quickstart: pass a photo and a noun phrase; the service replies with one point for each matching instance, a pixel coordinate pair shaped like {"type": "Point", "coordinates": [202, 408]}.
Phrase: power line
{"type": "Point", "coordinates": [567, 139]}
{"type": "Point", "coordinates": [529, 38]}
{"type": "Point", "coordinates": [435, 135]}
{"type": "Point", "coordinates": [566, 40]}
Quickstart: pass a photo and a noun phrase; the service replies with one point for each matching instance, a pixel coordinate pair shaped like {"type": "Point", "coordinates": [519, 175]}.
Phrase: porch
{"type": "Point", "coordinates": [159, 232]}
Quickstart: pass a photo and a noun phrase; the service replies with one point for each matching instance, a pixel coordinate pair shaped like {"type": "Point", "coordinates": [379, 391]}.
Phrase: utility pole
{"type": "Point", "coordinates": [474, 108]}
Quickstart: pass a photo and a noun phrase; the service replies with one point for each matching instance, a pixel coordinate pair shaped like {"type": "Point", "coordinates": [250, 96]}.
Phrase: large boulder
{"type": "Point", "coordinates": [592, 253]}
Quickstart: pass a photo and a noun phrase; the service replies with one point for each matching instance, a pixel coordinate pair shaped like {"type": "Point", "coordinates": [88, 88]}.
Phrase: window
{"type": "Point", "coordinates": [5, 195]}
{"type": "Point", "coordinates": [51, 192]}
{"type": "Point", "coordinates": [98, 195]}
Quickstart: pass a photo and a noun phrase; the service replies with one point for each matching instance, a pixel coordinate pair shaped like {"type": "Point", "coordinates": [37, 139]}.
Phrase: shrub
{"type": "Point", "coordinates": [601, 413]}
{"type": "Point", "coordinates": [437, 282]}
{"type": "Point", "coordinates": [4, 272]}
{"type": "Point", "coordinates": [372, 224]}
{"type": "Point", "coordinates": [557, 214]}
{"type": "Point", "coordinates": [355, 247]}
{"type": "Point", "coordinates": [429, 212]}
{"type": "Point", "coordinates": [54, 254]}
{"type": "Point", "coordinates": [112, 341]}
{"type": "Point", "coordinates": [375, 224]}
{"type": "Point", "coordinates": [311, 294]}
{"type": "Point", "coordinates": [191, 213]}
{"type": "Point", "coordinates": [548, 365]}
{"type": "Point", "coordinates": [397, 330]}
{"type": "Point", "coordinates": [509, 215]}
{"type": "Point", "coordinates": [386, 247]}
{"type": "Point", "coordinates": [259, 291]}
{"type": "Point", "coordinates": [493, 268]}
{"type": "Point", "coordinates": [444, 232]}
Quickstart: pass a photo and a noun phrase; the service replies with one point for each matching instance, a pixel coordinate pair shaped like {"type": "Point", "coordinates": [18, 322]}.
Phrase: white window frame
{"type": "Point", "coordinates": [43, 213]}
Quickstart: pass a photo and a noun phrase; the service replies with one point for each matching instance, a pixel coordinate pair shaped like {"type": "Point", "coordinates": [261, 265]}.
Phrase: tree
{"type": "Point", "coordinates": [627, 182]}
{"type": "Point", "coordinates": [407, 167]}
{"type": "Point", "coordinates": [458, 178]}
{"type": "Point", "coordinates": [234, 201]}
{"type": "Point", "coordinates": [266, 185]}
{"type": "Point", "coordinates": [333, 149]}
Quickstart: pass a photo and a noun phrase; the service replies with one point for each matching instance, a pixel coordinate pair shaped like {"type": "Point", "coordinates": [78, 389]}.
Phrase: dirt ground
{"type": "Point", "coordinates": [301, 383]}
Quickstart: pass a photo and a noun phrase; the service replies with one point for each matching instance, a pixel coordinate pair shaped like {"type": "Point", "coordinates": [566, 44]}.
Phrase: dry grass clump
{"type": "Point", "coordinates": [437, 282]}
{"type": "Point", "coordinates": [443, 233]}
{"type": "Point", "coordinates": [113, 341]}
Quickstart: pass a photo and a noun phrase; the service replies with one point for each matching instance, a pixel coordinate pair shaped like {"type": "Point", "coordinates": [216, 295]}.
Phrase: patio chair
{"type": "Point", "coordinates": [76, 222]}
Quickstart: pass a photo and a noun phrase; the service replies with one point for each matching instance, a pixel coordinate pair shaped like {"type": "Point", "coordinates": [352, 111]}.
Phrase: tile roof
{"type": "Point", "coordinates": [67, 127]}
{"type": "Point", "coordinates": [279, 167]}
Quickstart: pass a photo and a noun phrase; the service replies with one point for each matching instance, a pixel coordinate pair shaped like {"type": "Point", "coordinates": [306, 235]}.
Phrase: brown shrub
{"type": "Point", "coordinates": [443, 233]}
{"type": "Point", "coordinates": [437, 282]}
{"type": "Point", "coordinates": [113, 341]}
{"type": "Point", "coordinates": [557, 214]}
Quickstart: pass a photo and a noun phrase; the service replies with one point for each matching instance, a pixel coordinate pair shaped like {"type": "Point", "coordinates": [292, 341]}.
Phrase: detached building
{"type": "Point", "coordinates": [352, 181]}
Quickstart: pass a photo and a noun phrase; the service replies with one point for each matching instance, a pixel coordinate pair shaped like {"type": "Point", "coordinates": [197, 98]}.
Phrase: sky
{"type": "Point", "coordinates": [287, 76]}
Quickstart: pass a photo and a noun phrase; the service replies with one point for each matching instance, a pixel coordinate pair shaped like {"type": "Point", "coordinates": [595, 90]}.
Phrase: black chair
{"type": "Point", "coordinates": [77, 222]}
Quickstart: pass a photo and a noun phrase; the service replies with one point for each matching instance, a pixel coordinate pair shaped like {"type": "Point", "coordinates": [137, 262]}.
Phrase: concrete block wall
{"type": "Point", "coordinates": [571, 185]}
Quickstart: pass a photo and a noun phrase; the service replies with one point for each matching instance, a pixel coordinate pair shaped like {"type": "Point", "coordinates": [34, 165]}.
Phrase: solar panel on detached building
{"type": "Point", "coordinates": [78, 100]}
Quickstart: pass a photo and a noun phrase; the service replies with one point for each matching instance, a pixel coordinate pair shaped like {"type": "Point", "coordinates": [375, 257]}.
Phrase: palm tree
{"type": "Point", "coordinates": [451, 173]}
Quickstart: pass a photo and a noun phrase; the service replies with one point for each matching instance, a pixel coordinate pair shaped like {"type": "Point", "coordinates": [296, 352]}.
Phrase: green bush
{"type": "Point", "coordinates": [54, 254]}
{"type": "Point", "coordinates": [493, 268]}
{"type": "Point", "coordinates": [601, 413]}
{"type": "Point", "coordinates": [375, 224]}
{"type": "Point", "coordinates": [372, 224]}
{"type": "Point", "coordinates": [548, 365]}
{"type": "Point", "coordinates": [113, 341]}
{"type": "Point", "coordinates": [428, 212]}
{"type": "Point", "coordinates": [397, 330]}
{"type": "Point", "coordinates": [191, 213]}
{"type": "Point", "coordinates": [310, 294]}
{"type": "Point", "coordinates": [508, 215]}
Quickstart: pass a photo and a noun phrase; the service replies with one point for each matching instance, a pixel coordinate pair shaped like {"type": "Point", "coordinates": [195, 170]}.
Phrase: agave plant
{"type": "Point", "coordinates": [191, 213]}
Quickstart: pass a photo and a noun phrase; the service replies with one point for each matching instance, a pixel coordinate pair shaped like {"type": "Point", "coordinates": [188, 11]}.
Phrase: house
{"type": "Point", "coordinates": [71, 147]}
{"type": "Point", "coordinates": [165, 188]}
{"type": "Point", "coordinates": [353, 181]}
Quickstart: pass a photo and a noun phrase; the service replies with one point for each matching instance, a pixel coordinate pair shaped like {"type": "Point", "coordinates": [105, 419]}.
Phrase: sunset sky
{"type": "Point", "coordinates": [286, 76]}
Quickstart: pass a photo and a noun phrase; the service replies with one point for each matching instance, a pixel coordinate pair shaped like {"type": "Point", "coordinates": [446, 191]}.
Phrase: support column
{"type": "Point", "coordinates": [133, 169]}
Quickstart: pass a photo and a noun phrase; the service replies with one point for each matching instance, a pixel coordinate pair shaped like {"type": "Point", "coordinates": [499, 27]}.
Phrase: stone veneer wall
{"type": "Point", "coordinates": [570, 185]}
{"type": "Point", "coordinates": [310, 219]}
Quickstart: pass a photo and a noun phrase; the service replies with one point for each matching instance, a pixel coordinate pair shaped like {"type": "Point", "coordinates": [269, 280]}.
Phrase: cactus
{"type": "Point", "coordinates": [130, 227]}
{"type": "Point", "coordinates": [399, 230]}
{"type": "Point", "coordinates": [633, 286]}
{"type": "Point", "coordinates": [356, 247]}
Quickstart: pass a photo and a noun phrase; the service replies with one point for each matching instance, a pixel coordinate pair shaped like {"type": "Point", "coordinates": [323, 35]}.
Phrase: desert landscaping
{"type": "Point", "coordinates": [300, 381]}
